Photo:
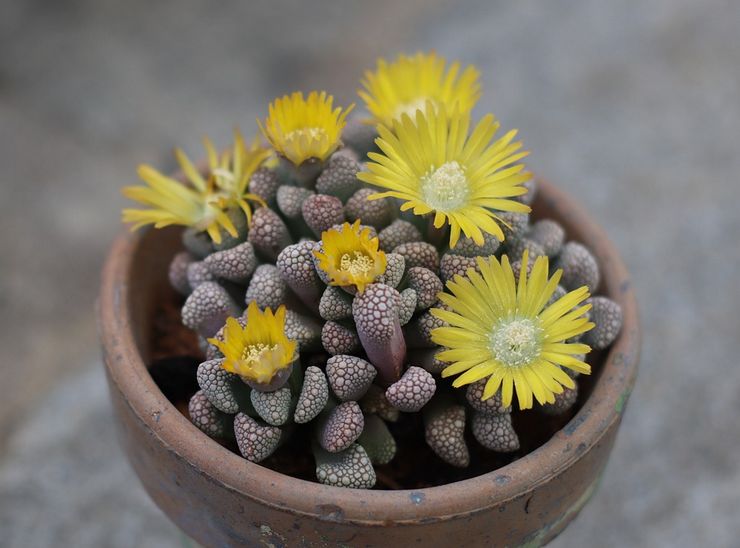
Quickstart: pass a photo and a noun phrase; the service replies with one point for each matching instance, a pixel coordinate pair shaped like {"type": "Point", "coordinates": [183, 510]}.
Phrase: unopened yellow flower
{"type": "Point", "coordinates": [434, 165]}
{"type": "Point", "coordinates": [504, 331]}
{"type": "Point", "coordinates": [300, 128]}
{"type": "Point", "coordinates": [203, 202]}
{"type": "Point", "coordinates": [350, 256]}
{"type": "Point", "coordinates": [260, 349]}
{"type": "Point", "coordinates": [408, 83]}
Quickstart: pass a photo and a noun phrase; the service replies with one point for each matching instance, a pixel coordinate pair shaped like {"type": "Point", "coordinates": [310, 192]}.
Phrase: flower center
{"type": "Point", "coordinates": [357, 263]}
{"type": "Point", "coordinates": [516, 342]}
{"type": "Point", "coordinates": [410, 107]}
{"type": "Point", "coordinates": [224, 174]}
{"type": "Point", "coordinates": [225, 180]}
{"type": "Point", "coordinates": [311, 134]}
{"type": "Point", "coordinates": [255, 353]}
{"type": "Point", "coordinates": [446, 187]}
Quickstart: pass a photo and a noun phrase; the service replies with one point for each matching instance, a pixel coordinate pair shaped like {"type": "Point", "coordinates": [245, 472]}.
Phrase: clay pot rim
{"type": "Point", "coordinates": [127, 370]}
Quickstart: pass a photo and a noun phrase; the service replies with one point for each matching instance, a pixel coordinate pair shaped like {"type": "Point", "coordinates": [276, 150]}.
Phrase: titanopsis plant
{"type": "Point", "coordinates": [340, 293]}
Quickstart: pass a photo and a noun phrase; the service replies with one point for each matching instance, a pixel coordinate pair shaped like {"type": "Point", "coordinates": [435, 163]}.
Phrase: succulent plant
{"type": "Point", "coordinates": [607, 315]}
{"type": "Point", "coordinates": [207, 416]}
{"type": "Point", "coordinates": [444, 431]}
{"type": "Point", "coordinates": [349, 468]}
{"type": "Point", "coordinates": [377, 440]}
{"type": "Point", "coordinates": [178, 272]}
{"type": "Point", "coordinates": [563, 402]}
{"type": "Point", "coordinates": [256, 441]}
{"type": "Point", "coordinates": [197, 272]}
{"type": "Point", "coordinates": [264, 183]}
{"type": "Point", "coordinates": [375, 403]}
{"type": "Point", "coordinates": [313, 397]}
{"type": "Point", "coordinates": [412, 391]}
{"type": "Point", "coordinates": [549, 235]}
{"type": "Point", "coordinates": [340, 294]}
{"type": "Point", "coordinates": [350, 377]}
{"type": "Point", "coordinates": [579, 267]}
{"type": "Point", "coordinates": [224, 390]}
{"type": "Point", "coordinates": [207, 308]}
{"type": "Point", "coordinates": [341, 426]}
{"type": "Point", "coordinates": [495, 432]}
{"type": "Point", "coordinates": [273, 407]}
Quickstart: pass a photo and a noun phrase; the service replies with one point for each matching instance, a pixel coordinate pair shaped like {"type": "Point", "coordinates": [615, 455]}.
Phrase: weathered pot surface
{"type": "Point", "coordinates": [220, 499]}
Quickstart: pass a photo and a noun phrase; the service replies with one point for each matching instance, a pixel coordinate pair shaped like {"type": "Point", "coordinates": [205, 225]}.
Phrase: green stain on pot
{"type": "Point", "coordinates": [538, 538]}
{"type": "Point", "coordinates": [270, 538]}
{"type": "Point", "coordinates": [622, 401]}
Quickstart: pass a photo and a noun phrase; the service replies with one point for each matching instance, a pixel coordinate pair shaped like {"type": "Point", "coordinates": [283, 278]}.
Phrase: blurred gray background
{"type": "Point", "coordinates": [632, 105]}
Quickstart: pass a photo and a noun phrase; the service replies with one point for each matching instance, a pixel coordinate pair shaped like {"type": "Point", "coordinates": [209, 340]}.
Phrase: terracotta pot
{"type": "Point", "coordinates": [220, 499]}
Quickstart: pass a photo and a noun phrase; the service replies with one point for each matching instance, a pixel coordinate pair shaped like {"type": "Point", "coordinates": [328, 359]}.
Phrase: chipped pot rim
{"type": "Point", "coordinates": [128, 372]}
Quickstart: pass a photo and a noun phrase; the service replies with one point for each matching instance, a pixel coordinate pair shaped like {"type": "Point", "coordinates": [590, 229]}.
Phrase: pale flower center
{"type": "Point", "coordinates": [224, 174]}
{"type": "Point", "coordinates": [358, 264]}
{"type": "Point", "coordinates": [209, 211]}
{"type": "Point", "coordinates": [311, 133]}
{"type": "Point", "coordinates": [516, 341]}
{"type": "Point", "coordinates": [445, 188]}
{"type": "Point", "coordinates": [410, 107]}
{"type": "Point", "coordinates": [225, 184]}
{"type": "Point", "coordinates": [255, 353]}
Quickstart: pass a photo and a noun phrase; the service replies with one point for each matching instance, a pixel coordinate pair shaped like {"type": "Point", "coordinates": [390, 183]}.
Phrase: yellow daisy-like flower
{"type": "Point", "coordinates": [408, 83]}
{"type": "Point", "coordinates": [203, 202]}
{"type": "Point", "coordinates": [504, 331]}
{"type": "Point", "coordinates": [435, 165]}
{"type": "Point", "coordinates": [350, 256]}
{"type": "Point", "coordinates": [260, 349]}
{"type": "Point", "coordinates": [300, 129]}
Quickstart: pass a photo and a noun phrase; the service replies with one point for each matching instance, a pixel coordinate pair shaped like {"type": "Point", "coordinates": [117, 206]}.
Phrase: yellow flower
{"type": "Point", "coordinates": [203, 202]}
{"type": "Point", "coordinates": [349, 256]}
{"type": "Point", "coordinates": [260, 349]}
{"type": "Point", "coordinates": [504, 331]}
{"type": "Point", "coordinates": [434, 165]}
{"type": "Point", "coordinates": [405, 85]}
{"type": "Point", "coordinates": [300, 128]}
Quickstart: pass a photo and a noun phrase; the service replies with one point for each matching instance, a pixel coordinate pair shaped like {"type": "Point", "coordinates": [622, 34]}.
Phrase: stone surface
{"type": "Point", "coordinates": [64, 462]}
{"type": "Point", "coordinates": [632, 105]}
